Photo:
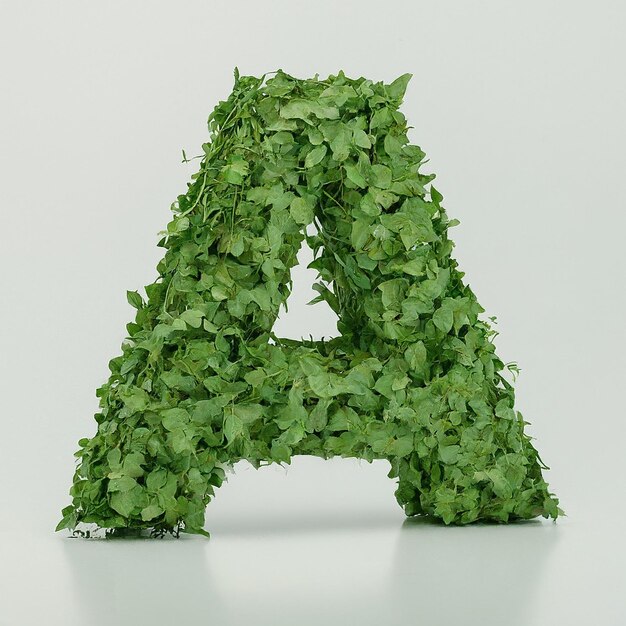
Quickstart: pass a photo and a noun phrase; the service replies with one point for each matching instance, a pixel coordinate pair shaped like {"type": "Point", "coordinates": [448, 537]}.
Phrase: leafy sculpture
{"type": "Point", "coordinates": [202, 382]}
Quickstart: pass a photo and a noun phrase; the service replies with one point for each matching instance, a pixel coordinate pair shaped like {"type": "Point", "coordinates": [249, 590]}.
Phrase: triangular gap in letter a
{"type": "Point", "coordinates": [299, 320]}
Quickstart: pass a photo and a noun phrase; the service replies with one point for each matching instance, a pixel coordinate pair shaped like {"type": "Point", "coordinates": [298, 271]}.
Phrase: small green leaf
{"type": "Point", "coordinates": [179, 324]}
{"type": "Point", "coordinates": [504, 410]}
{"type": "Point", "coordinates": [360, 234]}
{"type": "Point", "coordinates": [156, 479]}
{"type": "Point", "coordinates": [392, 145]}
{"type": "Point", "coordinates": [236, 171]}
{"type": "Point", "coordinates": [416, 355]}
{"type": "Point", "coordinates": [123, 483]}
{"type": "Point", "coordinates": [150, 512]}
{"type": "Point", "coordinates": [233, 427]}
{"type": "Point", "coordinates": [402, 446]}
{"type": "Point", "coordinates": [443, 318]}
{"type": "Point", "coordinates": [124, 502]}
{"type": "Point", "coordinates": [435, 195]}
{"type": "Point", "coordinates": [134, 299]}
{"type": "Point", "coordinates": [315, 156]}
{"type": "Point", "coordinates": [301, 211]}
{"type": "Point", "coordinates": [361, 139]}
{"type": "Point", "coordinates": [380, 176]}
{"type": "Point", "coordinates": [296, 109]}
{"type": "Point", "coordinates": [132, 465]}
{"type": "Point", "coordinates": [397, 88]}
{"type": "Point", "coordinates": [355, 176]}
{"type": "Point", "coordinates": [175, 419]}
{"type": "Point", "coordinates": [501, 486]}
{"type": "Point", "coordinates": [247, 413]}
{"type": "Point", "coordinates": [281, 453]}
{"type": "Point", "coordinates": [324, 385]}
{"type": "Point", "coordinates": [193, 317]}
{"type": "Point", "coordinates": [449, 454]}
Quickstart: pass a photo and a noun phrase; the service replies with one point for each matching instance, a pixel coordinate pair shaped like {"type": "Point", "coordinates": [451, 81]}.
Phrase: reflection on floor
{"type": "Point", "coordinates": [302, 557]}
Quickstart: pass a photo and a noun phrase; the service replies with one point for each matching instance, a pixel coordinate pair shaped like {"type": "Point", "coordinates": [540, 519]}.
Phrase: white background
{"type": "Point", "coordinates": [520, 107]}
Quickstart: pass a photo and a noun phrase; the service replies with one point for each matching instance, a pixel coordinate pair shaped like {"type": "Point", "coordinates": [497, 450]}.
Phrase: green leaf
{"type": "Point", "coordinates": [132, 464]}
{"type": "Point", "coordinates": [233, 427]}
{"type": "Point", "coordinates": [384, 385]}
{"type": "Point", "coordinates": [178, 225]}
{"type": "Point", "coordinates": [504, 410]}
{"type": "Point", "coordinates": [296, 109]}
{"type": "Point", "coordinates": [324, 385]}
{"type": "Point", "coordinates": [219, 292]}
{"type": "Point", "coordinates": [360, 234]}
{"type": "Point", "coordinates": [114, 458]}
{"type": "Point", "coordinates": [317, 418]}
{"type": "Point", "coordinates": [338, 94]}
{"type": "Point", "coordinates": [237, 246]}
{"type": "Point", "coordinates": [156, 479]}
{"type": "Point", "coordinates": [355, 176]}
{"type": "Point", "coordinates": [177, 381]}
{"type": "Point", "coordinates": [135, 399]}
{"type": "Point", "coordinates": [315, 156]}
{"type": "Point", "coordinates": [123, 483]}
{"type": "Point", "coordinates": [361, 139]}
{"type": "Point", "coordinates": [303, 109]}
{"type": "Point", "coordinates": [150, 512]}
{"type": "Point", "coordinates": [393, 293]}
{"type": "Point", "coordinates": [301, 211]}
{"type": "Point", "coordinates": [175, 419]}
{"type": "Point", "coordinates": [449, 454]}
{"type": "Point", "coordinates": [435, 195]}
{"type": "Point", "coordinates": [134, 299]}
{"type": "Point", "coordinates": [397, 88]}
{"type": "Point", "coordinates": [402, 446]}
{"type": "Point", "coordinates": [193, 317]}
{"type": "Point", "coordinates": [340, 420]}
{"type": "Point", "coordinates": [443, 319]}
{"type": "Point", "coordinates": [501, 487]}
{"type": "Point", "coordinates": [315, 136]}
{"type": "Point", "coordinates": [380, 176]}
{"type": "Point", "coordinates": [179, 324]}
{"type": "Point", "coordinates": [481, 408]}
{"type": "Point", "coordinates": [339, 137]}
{"type": "Point", "coordinates": [247, 413]}
{"type": "Point", "coordinates": [392, 145]}
{"type": "Point", "coordinates": [415, 267]}
{"type": "Point", "coordinates": [293, 435]}
{"type": "Point", "coordinates": [416, 356]}
{"type": "Point", "coordinates": [281, 453]}
{"type": "Point", "coordinates": [236, 171]}
{"type": "Point", "coordinates": [124, 502]}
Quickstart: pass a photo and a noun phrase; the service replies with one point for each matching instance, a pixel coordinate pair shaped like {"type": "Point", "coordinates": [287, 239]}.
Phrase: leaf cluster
{"type": "Point", "coordinates": [202, 381]}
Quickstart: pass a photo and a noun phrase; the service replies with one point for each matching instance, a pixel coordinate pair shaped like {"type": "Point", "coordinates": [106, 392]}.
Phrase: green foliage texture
{"type": "Point", "coordinates": [202, 381]}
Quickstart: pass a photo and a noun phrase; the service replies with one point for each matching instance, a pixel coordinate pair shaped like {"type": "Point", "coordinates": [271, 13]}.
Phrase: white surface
{"type": "Point", "coordinates": [520, 108]}
{"type": "Point", "coordinates": [323, 543]}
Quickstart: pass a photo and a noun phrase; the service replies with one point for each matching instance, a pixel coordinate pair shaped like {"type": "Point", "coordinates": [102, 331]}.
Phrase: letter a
{"type": "Point", "coordinates": [413, 377]}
